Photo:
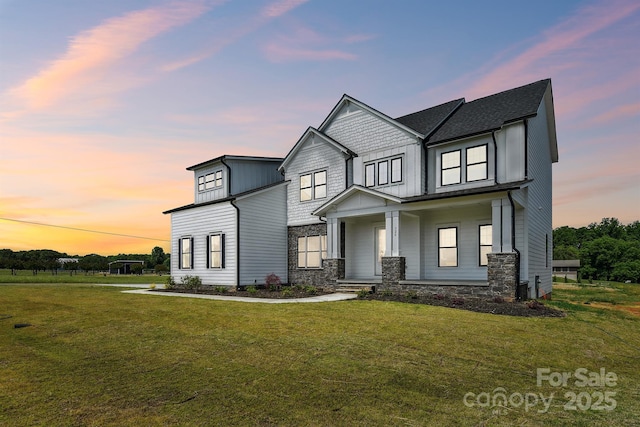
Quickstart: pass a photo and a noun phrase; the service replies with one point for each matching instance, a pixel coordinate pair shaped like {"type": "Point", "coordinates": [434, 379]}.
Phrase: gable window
{"type": "Point", "coordinates": [450, 168]}
{"type": "Point", "coordinates": [396, 170]}
{"type": "Point", "coordinates": [215, 251]}
{"type": "Point", "coordinates": [448, 247]}
{"type": "Point", "coordinates": [370, 175]}
{"type": "Point", "coordinates": [476, 163]}
{"type": "Point", "coordinates": [311, 251]}
{"type": "Point", "coordinates": [383, 172]}
{"type": "Point", "coordinates": [313, 186]}
{"type": "Point", "coordinates": [486, 240]}
{"type": "Point", "coordinates": [185, 249]}
{"type": "Point", "coordinates": [209, 181]}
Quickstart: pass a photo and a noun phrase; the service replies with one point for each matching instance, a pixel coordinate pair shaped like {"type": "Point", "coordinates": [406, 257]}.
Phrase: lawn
{"type": "Point", "coordinates": [26, 276]}
{"type": "Point", "coordinates": [96, 356]}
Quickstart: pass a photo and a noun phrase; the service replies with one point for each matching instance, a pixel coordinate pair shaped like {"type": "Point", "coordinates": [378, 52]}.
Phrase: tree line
{"type": "Point", "coordinates": [41, 260]}
{"type": "Point", "coordinates": [607, 250]}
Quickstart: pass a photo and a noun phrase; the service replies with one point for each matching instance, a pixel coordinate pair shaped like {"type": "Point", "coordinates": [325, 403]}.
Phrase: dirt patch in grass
{"type": "Point", "coordinates": [532, 308]}
{"type": "Point", "coordinates": [631, 309]}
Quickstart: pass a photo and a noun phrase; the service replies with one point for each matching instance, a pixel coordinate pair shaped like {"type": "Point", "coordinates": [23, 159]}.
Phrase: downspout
{"type": "Point", "coordinates": [233, 203]}
{"type": "Point", "coordinates": [237, 222]}
{"type": "Point", "coordinates": [513, 238]}
{"type": "Point", "coordinates": [495, 157]}
{"type": "Point", "coordinates": [526, 148]}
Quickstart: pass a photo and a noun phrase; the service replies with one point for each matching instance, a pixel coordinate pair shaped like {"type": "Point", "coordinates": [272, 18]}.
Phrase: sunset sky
{"type": "Point", "coordinates": [105, 103]}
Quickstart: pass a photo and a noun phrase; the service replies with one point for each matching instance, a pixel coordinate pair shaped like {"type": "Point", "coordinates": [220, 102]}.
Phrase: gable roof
{"type": "Point", "coordinates": [492, 112]}
{"type": "Point", "coordinates": [348, 193]}
{"type": "Point", "coordinates": [315, 132]}
{"type": "Point", "coordinates": [231, 157]}
{"type": "Point", "coordinates": [429, 120]}
{"type": "Point", "coordinates": [346, 99]}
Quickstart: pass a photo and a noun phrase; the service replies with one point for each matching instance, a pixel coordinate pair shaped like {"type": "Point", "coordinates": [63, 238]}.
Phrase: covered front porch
{"type": "Point", "coordinates": [436, 246]}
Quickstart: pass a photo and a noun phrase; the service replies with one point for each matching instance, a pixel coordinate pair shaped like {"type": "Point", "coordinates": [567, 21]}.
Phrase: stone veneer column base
{"type": "Point", "coordinates": [334, 270]}
{"type": "Point", "coordinates": [304, 276]}
{"type": "Point", "coordinates": [502, 274]}
{"type": "Point", "coordinates": [393, 270]}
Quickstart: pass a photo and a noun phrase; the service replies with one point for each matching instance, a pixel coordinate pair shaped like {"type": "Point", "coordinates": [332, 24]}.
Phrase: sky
{"type": "Point", "coordinates": [104, 104]}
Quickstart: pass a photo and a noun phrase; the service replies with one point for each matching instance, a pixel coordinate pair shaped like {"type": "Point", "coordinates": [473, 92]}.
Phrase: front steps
{"type": "Point", "coordinates": [354, 286]}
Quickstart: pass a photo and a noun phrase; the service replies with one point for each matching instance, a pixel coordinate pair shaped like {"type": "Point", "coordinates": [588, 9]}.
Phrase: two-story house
{"type": "Point", "coordinates": [454, 199]}
{"type": "Point", "coordinates": [235, 232]}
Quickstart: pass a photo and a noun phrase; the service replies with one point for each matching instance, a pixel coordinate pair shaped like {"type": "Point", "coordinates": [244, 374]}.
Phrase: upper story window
{"type": "Point", "coordinates": [475, 160]}
{"type": "Point", "coordinates": [210, 181]}
{"type": "Point", "coordinates": [313, 186]}
{"type": "Point", "coordinates": [383, 172]}
{"type": "Point", "coordinates": [477, 163]}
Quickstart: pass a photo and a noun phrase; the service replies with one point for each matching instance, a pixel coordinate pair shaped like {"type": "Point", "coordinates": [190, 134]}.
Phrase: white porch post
{"type": "Point", "coordinates": [392, 220]}
{"type": "Point", "coordinates": [501, 212]}
{"type": "Point", "coordinates": [333, 238]}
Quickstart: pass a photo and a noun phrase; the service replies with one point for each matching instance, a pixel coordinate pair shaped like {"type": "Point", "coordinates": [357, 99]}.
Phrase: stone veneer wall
{"type": "Point", "coordinates": [501, 280]}
{"type": "Point", "coordinates": [305, 276]}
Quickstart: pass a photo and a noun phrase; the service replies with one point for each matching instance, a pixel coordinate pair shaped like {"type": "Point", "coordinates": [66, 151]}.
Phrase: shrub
{"type": "Point", "coordinates": [220, 289]}
{"type": "Point", "coordinates": [386, 293]}
{"type": "Point", "coordinates": [286, 292]}
{"type": "Point", "coordinates": [152, 286]}
{"type": "Point", "coordinates": [252, 289]}
{"type": "Point", "coordinates": [412, 295]}
{"type": "Point", "coordinates": [362, 293]}
{"type": "Point", "coordinates": [169, 283]}
{"type": "Point", "coordinates": [535, 304]}
{"type": "Point", "coordinates": [311, 290]}
{"type": "Point", "coordinates": [272, 282]}
{"type": "Point", "coordinates": [191, 282]}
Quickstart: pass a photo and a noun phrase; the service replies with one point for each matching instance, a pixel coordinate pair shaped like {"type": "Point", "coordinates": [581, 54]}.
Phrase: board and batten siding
{"type": "Point", "coordinates": [360, 251]}
{"type": "Point", "coordinates": [468, 221]}
{"type": "Point", "coordinates": [213, 193]}
{"type": "Point", "coordinates": [539, 199]}
{"type": "Point", "coordinates": [249, 174]}
{"type": "Point", "coordinates": [198, 223]}
{"type": "Point", "coordinates": [315, 155]}
{"type": "Point", "coordinates": [263, 235]}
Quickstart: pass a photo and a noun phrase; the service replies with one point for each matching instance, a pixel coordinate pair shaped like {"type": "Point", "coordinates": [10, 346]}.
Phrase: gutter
{"type": "Point", "coordinates": [513, 238]}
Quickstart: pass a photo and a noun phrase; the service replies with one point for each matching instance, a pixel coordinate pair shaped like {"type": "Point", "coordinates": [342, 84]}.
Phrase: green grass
{"type": "Point", "coordinates": [97, 356]}
{"type": "Point", "coordinates": [26, 276]}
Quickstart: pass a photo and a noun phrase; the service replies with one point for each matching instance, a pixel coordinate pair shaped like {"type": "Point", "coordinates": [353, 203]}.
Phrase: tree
{"type": "Point", "coordinates": [136, 269]}
{"type": "Point", "coordinates": [565, 252]}
{"type": "Point", "coordinates": [627, 270]}
{"type": "Point", "coordinates": [157, 256]}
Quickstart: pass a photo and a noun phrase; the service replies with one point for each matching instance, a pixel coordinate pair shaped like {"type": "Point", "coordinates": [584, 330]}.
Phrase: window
{"type": "Point", "coordinates": [450, 168]}
{"type": "Point", "coordinates": [313, 186]}
{"type": "Point", "coordinates": [370, 175]}
{"type": "Point", "coordinates": [396, 170]}
{"type": "Point", "coordinates": [383, 170]}
{"type": "Point", "coordinates": [215, 250]}
{"type": "Point", "coordinates": [185, 248]}
{"type": "Point", "coordinates": [209, 181]}
{"type": "Point", "coordinates": [477, 163]}
{"type": "Point", "coordinates": [485, 239]}
{"type": "Point", "coordinates": [448, 247]}
{"type": "Point", "coordinates": [311, 251]}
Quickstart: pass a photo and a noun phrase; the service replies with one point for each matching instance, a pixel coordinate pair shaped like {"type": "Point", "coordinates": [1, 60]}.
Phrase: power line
{"type": "Point", "coordinates": [82, 229]}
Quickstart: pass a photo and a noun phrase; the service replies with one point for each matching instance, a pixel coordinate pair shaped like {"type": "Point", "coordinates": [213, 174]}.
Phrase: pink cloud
{"type": "Point", "coordinates": [282, 53]}
{"type": "Point", "coordinates": [281, 7]}
{"type": "Point", "coordinates": [91, 53]}
{"type": "Point", "coordinates": [618, 113]}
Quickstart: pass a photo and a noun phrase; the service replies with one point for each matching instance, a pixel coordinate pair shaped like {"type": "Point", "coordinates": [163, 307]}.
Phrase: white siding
{"type": "Point", "coordinates": [360, 247]}
{"type": "Point", "coordinates": [410, 245]}
{"type": "Point", "coordinates": [539, 195]}
{"type": "Point", "coordinates": [315, 155]}
{"type": "Point", "coordinates": [198, 223]}
{"type": "Point", "coordinates": [263, 235]}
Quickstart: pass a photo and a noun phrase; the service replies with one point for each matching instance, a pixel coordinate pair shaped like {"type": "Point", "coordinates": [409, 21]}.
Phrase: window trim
{"type": "Point", "coordinates": [181, 253]}
{"type": "Point", "coordinates": [322, 251]}
{"type": "Point", "coordinates": [440, 247]}
{"type": "Point", "coordinates": [480, 245]}
{"type": "Point", "coordinates": [210, 181]}
{"type": "Point", "coordinates": [313, 186]}
{"type": "Point", "coordinates": [485, 162]}
{"type": "Point", "coordinates": [372, 170]}
{"type": "Point", "coordinates": [383, 165]}
{"type": "Point", "coordinates": [459, 167]}
{"type": "Point", "coordinates": [210, 251]}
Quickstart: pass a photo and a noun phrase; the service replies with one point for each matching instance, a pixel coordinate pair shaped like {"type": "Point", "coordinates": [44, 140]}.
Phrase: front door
{"type": "Point", "coordinates": [380, 247]}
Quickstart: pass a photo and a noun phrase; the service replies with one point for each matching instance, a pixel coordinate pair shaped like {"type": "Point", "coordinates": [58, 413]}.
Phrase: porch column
{"type": "Point", "coordinates": [501, 225]}
{"type": "Point", "coordinates": [392, 226]}
{"type": "Point", "coordinates": [333, 238]}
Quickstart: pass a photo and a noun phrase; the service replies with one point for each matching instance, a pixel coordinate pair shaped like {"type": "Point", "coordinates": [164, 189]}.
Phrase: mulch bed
{"type": "Point", "coordinates": [530, 308]}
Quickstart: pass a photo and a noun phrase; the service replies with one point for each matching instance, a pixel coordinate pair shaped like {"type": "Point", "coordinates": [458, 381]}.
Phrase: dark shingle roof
{"type": "Point", "coordinates": [491, 112]}
{"type": "Point", "coordinates": [426, 121]}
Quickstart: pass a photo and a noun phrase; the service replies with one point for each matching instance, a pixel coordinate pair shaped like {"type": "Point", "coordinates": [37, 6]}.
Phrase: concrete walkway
{"type": "Point", "coordinates": [318, 298]}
